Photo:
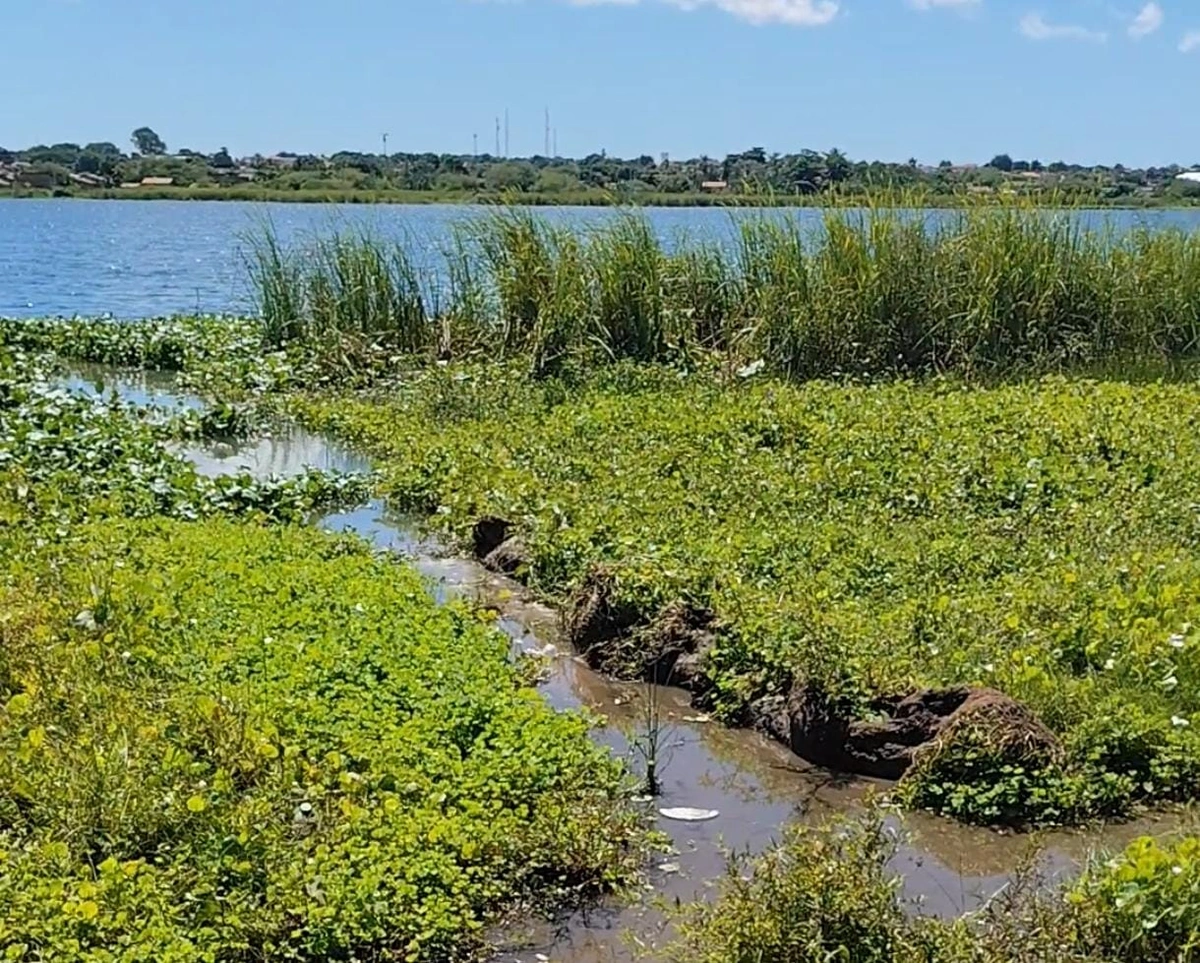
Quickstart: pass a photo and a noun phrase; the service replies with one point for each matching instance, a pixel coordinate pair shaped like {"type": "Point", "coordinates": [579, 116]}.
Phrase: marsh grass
{"type": "Point", "coordinates": [885, 289]}
{"type": "Point", "coordinates": [829, 893]}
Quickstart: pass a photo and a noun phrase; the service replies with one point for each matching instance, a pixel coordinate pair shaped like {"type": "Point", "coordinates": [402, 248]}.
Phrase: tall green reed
{"type": "Point", "coordinates": [883, 289]}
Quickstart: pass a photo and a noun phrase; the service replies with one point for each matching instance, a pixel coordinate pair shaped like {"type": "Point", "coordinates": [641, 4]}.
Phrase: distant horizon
{"type": "Point", "coordinates": [394, 150]}
{"type": "Point", "coordinates": [1090, 82]}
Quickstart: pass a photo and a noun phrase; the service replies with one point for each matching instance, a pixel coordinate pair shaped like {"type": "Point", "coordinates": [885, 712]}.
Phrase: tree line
{"type": "Point", "coordinates": [749, 172]}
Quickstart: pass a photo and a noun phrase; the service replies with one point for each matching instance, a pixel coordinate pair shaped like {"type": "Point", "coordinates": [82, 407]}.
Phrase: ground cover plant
{"type": "Point", "coordinates": [852, 544]}
{"type": "Point", "coordinates": [224, 736]}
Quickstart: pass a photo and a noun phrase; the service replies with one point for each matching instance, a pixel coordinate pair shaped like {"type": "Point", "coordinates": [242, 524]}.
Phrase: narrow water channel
{"type": "Point", "coordinates": [756, 786]}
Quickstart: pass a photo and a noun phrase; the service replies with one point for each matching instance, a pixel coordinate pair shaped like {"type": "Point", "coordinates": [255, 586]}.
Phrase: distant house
{"type": "Point", "coordinates": [281, 161]}
{"type": "Point", "coordinates": [715, 186]}
{"type": "Point", "coordinates": [42, 180]}
{"type": "Point", "coordinates": [89, 180]}
{"type": "Point", "coordinates": [1192, 177]}
{"type": "Point", "coordinates": [157, 181]}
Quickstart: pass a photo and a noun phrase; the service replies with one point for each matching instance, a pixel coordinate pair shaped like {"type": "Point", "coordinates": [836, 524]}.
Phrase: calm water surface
{"type": "Point", "coordinates": [136, 259]}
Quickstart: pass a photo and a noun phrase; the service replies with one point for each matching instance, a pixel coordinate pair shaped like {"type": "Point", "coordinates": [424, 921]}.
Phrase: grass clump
{"type": "Point", "coordinates": [826, 893]}
{"type": "Point", "coordinates": [865, 541]}
{"type": "Point", "coordinates": [874, 291]}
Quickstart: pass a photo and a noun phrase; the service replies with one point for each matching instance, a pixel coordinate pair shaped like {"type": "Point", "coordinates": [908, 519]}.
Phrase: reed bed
{"type": "Point", "coordinates": [879, 290]}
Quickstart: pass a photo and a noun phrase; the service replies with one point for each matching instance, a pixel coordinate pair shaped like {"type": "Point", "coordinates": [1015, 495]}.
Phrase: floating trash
{"type": "Point", "coordinates": [685, 814]}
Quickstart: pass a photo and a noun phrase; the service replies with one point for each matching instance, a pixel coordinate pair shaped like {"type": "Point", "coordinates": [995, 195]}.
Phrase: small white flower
{"type": "Point", "coordinates": [1176, 870]}
{"type": "Point", "coordinates": [1179, 722]}
{"type": "Point", "coordinates": [989, 667]}
{"type": "Point", "coordinates": [1110, 664]}
{"type": "Point", "coordinates": [1170, 682]}
{"type": "Point", "coordinates": [1176, 641]}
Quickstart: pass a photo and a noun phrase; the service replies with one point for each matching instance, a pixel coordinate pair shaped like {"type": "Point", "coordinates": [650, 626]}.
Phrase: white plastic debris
{"type": "Point", "coordinates": [686, 814]}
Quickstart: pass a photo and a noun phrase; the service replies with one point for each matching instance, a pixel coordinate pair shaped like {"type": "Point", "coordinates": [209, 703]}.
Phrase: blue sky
{"type": "Point", "coordinates": [1093, 81]}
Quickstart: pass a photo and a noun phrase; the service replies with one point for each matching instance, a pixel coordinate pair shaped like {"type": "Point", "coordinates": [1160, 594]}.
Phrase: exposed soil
{"type": "Point", "coordinates": [672, 648]}
{"type": "Point", "coordinates": [498, 549]}
{"type": "Point", "coordinates": [919, 722]}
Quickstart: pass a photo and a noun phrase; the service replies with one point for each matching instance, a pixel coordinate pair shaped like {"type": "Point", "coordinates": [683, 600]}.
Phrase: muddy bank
{"type": "Point", "coordinates": [673, 647]}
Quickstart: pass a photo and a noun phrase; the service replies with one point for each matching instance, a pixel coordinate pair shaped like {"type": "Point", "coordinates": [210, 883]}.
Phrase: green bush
{"type": "Point", "coordinates": [826, 893]}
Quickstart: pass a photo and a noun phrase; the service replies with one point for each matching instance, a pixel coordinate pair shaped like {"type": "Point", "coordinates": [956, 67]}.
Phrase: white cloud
{"type": "Point", "coordinates": [799, 13]}
{"type": "Point", "coordinates": [1190, 41]}
{"type": "Point", "coordinates": [943, 4]}
{"type": "Point", "coordinates": [1149, 19]}
{"type": "Point", "coordinates": [1036, 27]}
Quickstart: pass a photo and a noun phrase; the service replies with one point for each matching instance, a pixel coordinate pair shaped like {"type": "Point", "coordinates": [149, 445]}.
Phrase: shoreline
{"type": "Point", "coordinates": [596, 199]}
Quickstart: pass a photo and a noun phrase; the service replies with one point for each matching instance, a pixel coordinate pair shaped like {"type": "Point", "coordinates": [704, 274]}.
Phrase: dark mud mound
{"type": "Point", "coordinates": [910, 727]}
{"type": "Point", "coordinates": [597, 622]}
{"type": "Point", "coordinates": [498, 548]}
{"type": "Point", "coordinates": [669, 648]}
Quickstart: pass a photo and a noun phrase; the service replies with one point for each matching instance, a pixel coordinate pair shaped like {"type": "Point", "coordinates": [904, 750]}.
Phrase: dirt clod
{"type": "Point", "coordinates": [918, 722]}
{"type": "Point", "coordinates": [510, 557]}
{"type": "Point", "coordinates": [489, 534]}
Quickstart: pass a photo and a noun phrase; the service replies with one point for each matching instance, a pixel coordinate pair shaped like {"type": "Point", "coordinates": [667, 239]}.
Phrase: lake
{"type": "Point", "coordinates": [134, 259]}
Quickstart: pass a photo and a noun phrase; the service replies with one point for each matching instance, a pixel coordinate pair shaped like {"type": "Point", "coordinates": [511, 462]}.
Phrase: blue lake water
{"type": "Point", "coordinates": [135, 259]}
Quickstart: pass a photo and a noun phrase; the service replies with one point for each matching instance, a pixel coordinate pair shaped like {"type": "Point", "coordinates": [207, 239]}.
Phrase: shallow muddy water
{"type": "Point", "coordinates": [756, 785]}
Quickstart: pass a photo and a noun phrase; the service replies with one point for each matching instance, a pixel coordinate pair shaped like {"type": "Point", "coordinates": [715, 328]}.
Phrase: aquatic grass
{"type": "Point", "coordinates": [878, 291]}
{"type": "Point", "coordinates": [828, 892]}
{"type": "Point", "coordinates": [343, 294]}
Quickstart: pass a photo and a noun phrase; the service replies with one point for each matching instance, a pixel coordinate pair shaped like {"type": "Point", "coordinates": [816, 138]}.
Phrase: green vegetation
{"type": "Point", "coordinates": [862, 541]}
{"type": "Point", "coordinates": [752, 176]}
{"type": "Point", "coordinates": [226, 737]}
{"type": "Point", "coordinates": [823, 472]}
{"type": "Point", "coordinates": [876, 292]}
{"type": "Point", "coordinates": [826, 894]}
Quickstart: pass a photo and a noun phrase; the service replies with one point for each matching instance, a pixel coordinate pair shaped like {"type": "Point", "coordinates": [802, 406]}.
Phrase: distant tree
{"type": "Point", "coordinates": [1001, 162]}
{"type": "Point", "coordinates": [945, 165]}
{"type": "Point", "coordinates": [557, 182]}
{"type": "Point", "coordinates": [837, 166]}
{"type": "Point", "coordinates": [63, 155]}
{"type": "Point", "coordinates": [510, 176]}
{"type": "Point", "coordinates": [146, 142]}
{"type": "Point", "coordinates": [221, 159]}
{"type": "Point", "coordinates": [103, 148]}
{"type": "Point", "coordinates": [87, 163]}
